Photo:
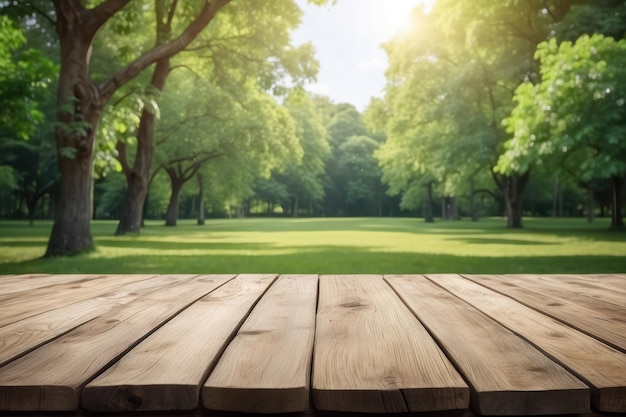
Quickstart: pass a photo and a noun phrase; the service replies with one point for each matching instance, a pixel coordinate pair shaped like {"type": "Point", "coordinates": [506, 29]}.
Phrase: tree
{"type": "Point", "coordinates": [303, 179]}
{"type": "Point", "coordinates": [575, 115]}
{"type": "Point", "coordinates": [256, 44]}
{"type": "Point", "coordinates": [204, 122]}
{"type": "Point", "coordinates": [450, 84]}
{"type": "Point", "coordinates": [81, 101]}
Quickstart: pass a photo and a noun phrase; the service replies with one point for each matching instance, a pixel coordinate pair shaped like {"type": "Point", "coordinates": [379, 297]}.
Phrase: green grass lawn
{"type": "Point", "coordinates": [328, 245]}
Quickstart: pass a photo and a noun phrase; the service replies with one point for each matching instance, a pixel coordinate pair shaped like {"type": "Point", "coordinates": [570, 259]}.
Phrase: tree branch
{"type": "Point", "coordinates": [108, 87]}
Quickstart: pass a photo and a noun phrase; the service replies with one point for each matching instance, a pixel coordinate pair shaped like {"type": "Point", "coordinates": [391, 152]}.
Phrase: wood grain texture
{"type": "Point", "coordinates": [166, 370]}
{"type": "Point", "coordinates": [594, 287]}
{"type": "Point", "coordinates": [601, 367]}
{"type": "Point", "coordinates": [12, 284]}
{"type": "Point", "coordinates": [267, 366]}
{"type": "Point", "coordinates": [51, 377]}
{"type": "Point", "coordinates": [372, 355]}
{"type": "Point", "coordinates": [604, 321]}
{"type": "Point", "coordinates": [20, 337]}
{"type": "Point", "coordinates": [30, 303]}
{"type": "Point", "coordinates": [507, 375]}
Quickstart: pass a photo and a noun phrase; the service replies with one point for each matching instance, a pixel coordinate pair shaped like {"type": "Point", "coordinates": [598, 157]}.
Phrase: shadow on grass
{"type": "Point", "coordinates": [321, 260]}
{"type": "Point", "coordinates": [492, 241]}
{"type": "Point", "coordinates": [177, 245]}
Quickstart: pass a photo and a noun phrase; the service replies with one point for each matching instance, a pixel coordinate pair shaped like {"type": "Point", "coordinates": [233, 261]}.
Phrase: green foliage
{"type": "Point", "coordinates": [575, 116]}
{"type": "Point", "coordinates": [25, 76]}
{"type": "Point", "coordinates": [8, 181]}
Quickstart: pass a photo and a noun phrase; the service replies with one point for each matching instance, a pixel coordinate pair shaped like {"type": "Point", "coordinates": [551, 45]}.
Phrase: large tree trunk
{"type": "Point", "coordinates": [513, 198]}
{"type": "Point", "coordinates": [137, 176]}
{"type": "Point", "coordinates": [617, 221]}
{"type": "Point", "coordinates": [78, 116]}
{"type": "Point", "coordinates": [172, 208]}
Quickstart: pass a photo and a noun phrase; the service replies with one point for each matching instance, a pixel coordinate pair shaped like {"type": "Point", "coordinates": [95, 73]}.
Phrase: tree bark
{"type": "Point", "coordinates": [512, 188]}
{"type": "Point", "coordinates": [137, 177]}
{"type": "Point", "coordinates": [172, 208]}
{"type": "Point", "coordinates": [617, 221]}
{"type": "Point", "coordinates": [80, 106]}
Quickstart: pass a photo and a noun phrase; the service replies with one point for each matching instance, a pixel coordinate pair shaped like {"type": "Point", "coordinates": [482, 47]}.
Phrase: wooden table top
{"type": "Point", "coordinates": [438, 345]}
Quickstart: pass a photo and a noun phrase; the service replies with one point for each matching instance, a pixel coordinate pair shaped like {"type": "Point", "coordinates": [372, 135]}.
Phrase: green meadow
{"type": "Point", "coordinates": [328, 245]}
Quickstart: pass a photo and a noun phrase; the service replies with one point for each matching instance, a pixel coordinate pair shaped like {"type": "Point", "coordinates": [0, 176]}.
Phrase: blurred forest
{"type": "Point", "coordinates": [132, 110]}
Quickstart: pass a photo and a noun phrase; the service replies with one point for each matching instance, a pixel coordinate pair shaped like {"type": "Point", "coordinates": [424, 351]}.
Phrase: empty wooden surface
{"type": "Point", "coordinates": [605, 321]}
{"type": "Point", "coordinates": [167, 369]}
{"type": "Point", "coordinates": [372, 355]}
{"type": "Point", "coordinates": [60, 332]}
{"type": "Point", "coordinates": [507, 375]}
{"type": "Point", "coordinates": [30, 303]}
{"type": "Point", "coordinates": [22, 336]}
{"type": "Point", "coordinates": [602, 367]}
{"type": "Point", "coordinates": [280, 332]}
{"type": "Point", "coordinates": [51, 377]}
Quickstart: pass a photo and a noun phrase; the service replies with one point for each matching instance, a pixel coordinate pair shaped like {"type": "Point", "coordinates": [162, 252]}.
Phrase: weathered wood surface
{"type": "Point", "coordinates": [605, 321]}
{"type": "Point", "coordinates": [600, 366]}
{"type": "Point", "coordinates": [600, 290]}
{"type": "Point", "coordinates": [507, 375]}
{"type": "Point", "coordinates": [280, 332]}
{"type": "Point", "coordinates": [372, 355]}
{"type": "Point", "coordinates": [30, 303]}
{"type": "Point", "coordinates": [20, 337]}
{"type": "Point", "coordinates": [51, 377]}
{"type": "Point", "coordinates": [60, 332]}
{"type": "Point", "coordinates": [167, 369]}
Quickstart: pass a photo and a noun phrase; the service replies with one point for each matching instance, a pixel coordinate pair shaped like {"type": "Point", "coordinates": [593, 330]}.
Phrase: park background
{"type": "Point", "coordinates": [497, 144]}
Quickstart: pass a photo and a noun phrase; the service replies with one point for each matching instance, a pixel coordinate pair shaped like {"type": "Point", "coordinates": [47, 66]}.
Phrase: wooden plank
{"type": "Point", "coordinates": [507, 375]}
{"type": "Point", "coordinates": [372, 355]}
{"type": "Point", "coordinates": [166, 371]}
{"type": "Point", "coordinates": [604, 321]}
{"type": "Point", "coordinates": [598, 365]}
{"type": "Point", "coordinates": [267, 366]}
{"type": "Point", "coordinates": [582, 288]}
{"type": "Point", "coordinates": [45, 299]}
{"type": "Point", "coordinates": [51, 377]}
{"type": "Point", "coordinates": [25, 335]}
{"type": "Point", "coordinates": [19, 285]}
{"type": "Point", "coordinates": [10, 283]}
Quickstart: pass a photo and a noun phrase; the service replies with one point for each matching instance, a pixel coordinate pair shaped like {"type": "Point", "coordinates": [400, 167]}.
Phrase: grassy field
{"type": "Point", "coordinates": [354, 245]}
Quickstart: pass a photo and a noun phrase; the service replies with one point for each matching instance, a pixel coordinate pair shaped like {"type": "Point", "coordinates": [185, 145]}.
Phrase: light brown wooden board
{"type": "Point", "coordinates": [45, 299]}
{"type": "Point", "coordinates": [595, 289]}
{"type": "Point", "coordinates": [507, 375]}
{"type": "Point", "coordinates": [25, 335]}
{"type": "Point", "coordinates": [372, 355]}
{"type": "Point", "coordinates": [604, 321]}
{"type": "Point", "coordinates": [555, 287]}
{"type": "Point", "coordinates": [20, 285]}
{"type": "Point", "coordinates": [11, 284]}
{"type": "Point", "coordinates": [615, 283]}
{"type": "Point", "coordinates": [267, 366]}
{"type": "Point", "coordinates": [600, 366]}
{"type": "Point", "coordinates": [166, 370]}
{"type": "Point", "coordinates": [51, 377]}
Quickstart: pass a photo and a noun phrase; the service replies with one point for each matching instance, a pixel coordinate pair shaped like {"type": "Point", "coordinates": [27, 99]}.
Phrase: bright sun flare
{"type": "Point", "coordinates": [394, 16]}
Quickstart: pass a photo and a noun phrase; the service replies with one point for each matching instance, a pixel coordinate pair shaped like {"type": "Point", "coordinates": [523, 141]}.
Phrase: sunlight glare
{"type": "Point", "coordinates": [394, 16]}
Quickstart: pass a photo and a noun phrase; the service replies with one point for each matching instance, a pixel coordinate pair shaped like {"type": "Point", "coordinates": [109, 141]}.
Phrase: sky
{"type": "Point", "coordinates": [347, 37]}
